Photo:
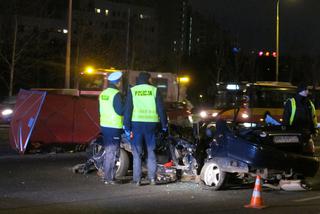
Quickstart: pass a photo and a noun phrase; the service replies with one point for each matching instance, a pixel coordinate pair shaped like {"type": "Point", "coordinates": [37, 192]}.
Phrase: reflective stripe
{"type": "Point", "coordinates": [294, 109]}
{"type": "Point", "coordinates": [314, 117]}
{"type": "Point", "coordinates": [256, 194]}
{"type": "Point", "coordinates": [144, 103]}
{"type": "Point", "coordinates": [258, 182]}
{"type": "Point", "coordinates": [108, 116]}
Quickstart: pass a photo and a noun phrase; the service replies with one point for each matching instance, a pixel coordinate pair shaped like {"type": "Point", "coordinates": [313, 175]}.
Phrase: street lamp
{"type": "Point", "coordinates": [68, 51]}
{"type": "Point", "coordinates": [182, 82]}
{"type": "Point", "coordinates": [277, 40]}
{"type": "Point", "coordinates": [92, 70]}
{"type": "Point", "coordinates": [89, 70]}
{"type": "Point", "coordinates": [184, 79]}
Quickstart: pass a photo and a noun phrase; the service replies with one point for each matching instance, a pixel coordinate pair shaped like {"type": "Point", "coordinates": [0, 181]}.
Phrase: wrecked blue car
{"type": "Point", "coordinates": [274, 152]}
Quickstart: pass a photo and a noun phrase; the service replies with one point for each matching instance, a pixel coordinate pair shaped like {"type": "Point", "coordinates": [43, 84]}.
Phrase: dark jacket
{"type": "Point", "coordinates": [303, 115]}
{"type": "Point", "coordinates": [129, 108]}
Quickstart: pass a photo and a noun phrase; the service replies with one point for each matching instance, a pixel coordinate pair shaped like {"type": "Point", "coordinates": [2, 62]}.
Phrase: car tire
{"type": "Point", "coordinates": [212, 175]}
{"type": "Point", "coordinates": [122, 164]}
{"type": "Point", "coordinates": [95, 146]}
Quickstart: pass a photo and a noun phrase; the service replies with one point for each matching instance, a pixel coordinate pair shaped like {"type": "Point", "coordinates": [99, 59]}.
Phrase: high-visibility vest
{"type": "Point", "coordinates": [108, 116]}
{"type": "Point", "coordinates": [144, 103]}
{"type": "Point", "coordinates": [294, 109]}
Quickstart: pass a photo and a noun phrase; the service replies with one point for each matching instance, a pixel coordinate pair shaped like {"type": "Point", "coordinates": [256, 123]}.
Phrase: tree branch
{"type": "Point", "coordinates": [5, 58]}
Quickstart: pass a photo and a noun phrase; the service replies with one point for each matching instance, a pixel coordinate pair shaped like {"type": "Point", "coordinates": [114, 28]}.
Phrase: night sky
{"type": "Point", "coordinates": [253, 23]}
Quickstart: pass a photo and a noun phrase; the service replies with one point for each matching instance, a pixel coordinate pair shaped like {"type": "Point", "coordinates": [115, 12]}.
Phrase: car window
{"type": "Point", "coordinates": [269, 97]}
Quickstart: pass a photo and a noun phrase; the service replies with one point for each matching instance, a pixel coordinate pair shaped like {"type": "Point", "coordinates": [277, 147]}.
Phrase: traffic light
{"type": "Point", "coordinates": [267, 54]}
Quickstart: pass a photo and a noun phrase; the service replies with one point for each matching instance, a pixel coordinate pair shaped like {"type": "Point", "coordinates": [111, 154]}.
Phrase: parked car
{"type": "Point", "coordinates": [6, 109]}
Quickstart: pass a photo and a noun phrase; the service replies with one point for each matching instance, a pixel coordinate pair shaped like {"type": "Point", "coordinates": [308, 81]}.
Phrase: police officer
{"type": "Point", "coordinates": [144, 110]}
{"type": "Point", "coordinates": [299, 112]}
{"type": "Point", "coordinates": [111, 122]}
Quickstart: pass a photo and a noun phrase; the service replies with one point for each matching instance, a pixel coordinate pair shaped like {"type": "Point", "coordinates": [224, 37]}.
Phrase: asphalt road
{"type": "Point", "coordinates": [45, 183]}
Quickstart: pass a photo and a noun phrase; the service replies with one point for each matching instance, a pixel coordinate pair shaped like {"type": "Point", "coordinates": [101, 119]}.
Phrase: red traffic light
{"type": "Point", "coordinates": [267, 54]}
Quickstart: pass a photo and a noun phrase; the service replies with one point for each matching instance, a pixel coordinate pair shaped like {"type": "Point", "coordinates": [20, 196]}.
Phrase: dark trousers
{"type": "Point", "coordinates": [143, 133]}
{"type": "Point", "coordinates": [111, 139]}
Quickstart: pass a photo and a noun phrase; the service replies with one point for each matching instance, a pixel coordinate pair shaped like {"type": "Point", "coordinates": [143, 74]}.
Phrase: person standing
{"type": "Point", "coordinates": [143, 111]}
{"type": "Point", "coordinates": [299, 111]}
{"type": "Point", "coordinates": [111, 122]}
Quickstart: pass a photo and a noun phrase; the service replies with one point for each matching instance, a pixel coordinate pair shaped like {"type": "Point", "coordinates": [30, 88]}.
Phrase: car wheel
{"type": "Point", "coordinates": [95, 151]}
{"type": "Point", "coordinates": [95, 146]}
{"type": "Point", "coordinates": [212, 175]}
{"type": "Point", "coordinates": [122, 164]}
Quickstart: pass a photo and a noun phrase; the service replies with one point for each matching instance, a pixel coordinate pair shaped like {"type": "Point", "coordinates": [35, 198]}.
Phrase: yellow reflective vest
{"type": "Point", "coordinates": [144, 103]}
{"type": "Point", "coordinates": [108, 116]}
{"type": "Point", "coordinates": [294, 109]}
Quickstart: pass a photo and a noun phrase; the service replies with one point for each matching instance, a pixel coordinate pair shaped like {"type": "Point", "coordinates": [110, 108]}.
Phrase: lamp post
{"type": "Point", "coordinates": [68, 52]}
{"type": "Point", "coordinates": [277, 39]}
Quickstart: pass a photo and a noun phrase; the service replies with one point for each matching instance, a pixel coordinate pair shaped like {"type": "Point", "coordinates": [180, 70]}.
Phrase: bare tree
{"type": "Point", "coordinates": [16, 43]}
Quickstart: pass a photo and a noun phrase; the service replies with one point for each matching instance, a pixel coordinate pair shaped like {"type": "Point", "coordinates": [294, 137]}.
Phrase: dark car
{"type": "Point", "coordinates": [274, 152]}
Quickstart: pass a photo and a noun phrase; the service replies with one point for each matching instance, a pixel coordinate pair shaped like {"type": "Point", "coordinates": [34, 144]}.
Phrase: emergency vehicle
{"type": "Point", "coordinates": [92, 82]}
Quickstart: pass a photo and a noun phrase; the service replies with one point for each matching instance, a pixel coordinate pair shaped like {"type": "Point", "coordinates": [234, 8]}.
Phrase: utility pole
{"type": "Point", "coordinates": [68, 53]}
{"type": "Point", "coordinates": [128, 40]}
{"type": "Point", "coordinates": [13, 57]}
{"type": "Point", "coordinates": [277, 40]}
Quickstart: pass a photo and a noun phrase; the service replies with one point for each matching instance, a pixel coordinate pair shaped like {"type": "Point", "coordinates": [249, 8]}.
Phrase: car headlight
{"type": "Point", "coordinates": [7, 112]}
{"type": "Point", "coordinates": [214, 114]}
{"type": "Point", "coordinates": [249, 125]}
{"type": "Point", "coordinates": [244, 115]}
{"type": "Point", "coordinates": [203, 114]}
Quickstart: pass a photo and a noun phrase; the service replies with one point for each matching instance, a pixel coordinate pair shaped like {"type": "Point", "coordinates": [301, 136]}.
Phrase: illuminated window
{"type": "Point", "coordinates": [97, 10]}
{"type": "Point", "coordinates": [143, 16]}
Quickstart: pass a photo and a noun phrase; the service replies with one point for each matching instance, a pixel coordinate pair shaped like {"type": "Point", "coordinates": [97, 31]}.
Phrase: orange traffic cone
{"type": "Point", "coordinates": [256, 199]}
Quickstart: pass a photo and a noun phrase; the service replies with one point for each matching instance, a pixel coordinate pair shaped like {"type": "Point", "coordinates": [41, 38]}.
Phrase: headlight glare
{"type": "Point", "coordinates": [203, 114]}
{"type": "Point", "coordinates": [6, 112]}
{"type": "Point", "coordinates": [244, 115]}
{"type": "Point", "coordinates": [214, 114]}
